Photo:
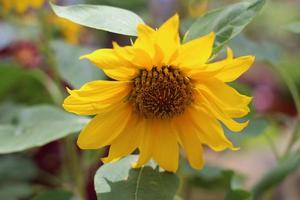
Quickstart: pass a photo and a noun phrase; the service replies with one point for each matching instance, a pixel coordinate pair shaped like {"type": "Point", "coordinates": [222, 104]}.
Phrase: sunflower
{"type": "Point", "coordinates": [20, 6]}
{"type": "Point", "coordinates": [162, 95]}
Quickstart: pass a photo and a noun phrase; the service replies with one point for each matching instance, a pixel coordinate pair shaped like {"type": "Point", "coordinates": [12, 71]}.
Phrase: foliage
{"type": "Point", "coordinates": [74, 71]}
{"type": "Point", "coordinates": [106, 18]}
{"type": "Point", "coordinates": [276, 175]}
{"type": "Point", "coordinates": [36, 126]}
{"type": "Point", "coordinates": [119, 181]}
{"type": "Point", "coordinates": [225, 22]}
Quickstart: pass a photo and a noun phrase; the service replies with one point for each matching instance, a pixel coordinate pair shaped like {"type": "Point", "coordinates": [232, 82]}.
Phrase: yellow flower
{"type": "Point", "coordinates": [69, 30]}
{"type": "Point", "coordinates": [162, 95]}
{"type": "Point", "coordinates": [20, 6]}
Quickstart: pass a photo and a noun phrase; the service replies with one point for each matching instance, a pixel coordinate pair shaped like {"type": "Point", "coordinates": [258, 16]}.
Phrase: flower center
{"type": "Point", "coordinates": [161, 93]}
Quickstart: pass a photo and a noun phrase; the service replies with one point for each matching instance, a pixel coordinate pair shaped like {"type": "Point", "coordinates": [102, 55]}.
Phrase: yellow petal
{"type": "Point", "coordinates": [145, 39]}
{"type": "Point", "coordinates": [201, 72]}
{"type": "Point", "coordinates": [96, 97]}
{"type": "Point", "coordinates": [146, 143]}
{"type": "Point", "coordinates": [215, 110]}
{"type": "Point", "coordinates": [232, 68]}
{"type": "Point", "coordinates": [126, 142]}
{"type": "Point", "coordinates": [165, 146]}
{"type": "Point", "coordinates": [137, 57]}
{"type": "Point", "coordinates": [167, 38]}
{"type": "Point", "coordinates": [106, 59]}
{"type": "Point", "coordinates": [196, 52]}
{"type": "Point", "coordinates": [227, 98]}
{"type": "Point", "coordinates": [190, 142]}
{"type": "Point", "coordinates": [209, 130]}
{"type": "Point", "coordinates": [104, 128]}
{"type": "Point", "coordinates": [229, 53]}
{"type": "Point", "coordinates": [121, 73]}
{"type": "Point", "coordinates": [158, 57]}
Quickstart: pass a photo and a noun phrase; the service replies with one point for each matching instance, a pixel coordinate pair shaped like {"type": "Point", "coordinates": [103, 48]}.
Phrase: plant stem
{"type": "Point", "coordinates": [292, 139]}
{"type": "Point", "coordinates": [46, 46]}
{"type": "Point", "coordinates": [296, 97]}
{"type": "Point", "coordinates": [273, 146]}
{"type": "Point", "coordinates": [291, 86]}
{"type": "Point", "coordinates": [51, 179]}
{"type": "Point", "coordinates": [74, 168]}
{"type": "Point", "coordinates": [52, 88]}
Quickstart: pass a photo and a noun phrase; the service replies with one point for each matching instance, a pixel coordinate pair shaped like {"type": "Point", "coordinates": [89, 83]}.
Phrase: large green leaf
{"type": "Point", "coordinates": [14, 182]}
{"type": "Point", "coordinates": [264, 51]}
{"type": "Point", "coordinates": [15, 191]}
{"type": "Point", "coordinates": [37, 126]}
{"type": "Point", "coordinates": [11, 111]}
{"type": "Point", "coordinates": [74, 71]}
{"type": "Point", "coordinates": [119, 181]}
{"type": "Point", "coordinates": [226, 22]}
{"type": "Point", "coordinates": [215, 179]}
{"type": "Point", "coordinates": [22, 85]}
{"type": "Point", "coordinates": [105, 18]}
{"type": "Point", "coordinates": [276, 175]}
{"type": "Point", "coordinates": [10, 169]}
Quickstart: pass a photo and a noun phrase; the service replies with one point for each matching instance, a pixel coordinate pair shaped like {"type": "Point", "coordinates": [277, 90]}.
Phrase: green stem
{"type": "Point", "coordinates": [296, 97]}
{"type": "Point", "coordinates": [50, 85]}
{"type": "Point", "coordinates": [46, 46]}
{"type": "Point", "coordinates": [73, 164]}
{"type": "Point", "coordinates": [291, 86]}
{"type": "Point", "coordinates": [273, 146]}
{"type": "Point", "coordinates": [292, 140]}
{"type": "Point", "coordinates": [53, 180]}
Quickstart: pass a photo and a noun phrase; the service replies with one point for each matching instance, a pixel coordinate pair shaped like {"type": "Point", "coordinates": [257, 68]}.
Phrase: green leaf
{"type": "Point", "coordinates": [238, 195]}
{"type": "Point", "coordinates": [11, 111]}
{"type": "Point", "coordinates": [22, 85]}
{"type": "Point", "coordinates": [57, 194]}
{"type": "Point", "coordinates": [119, 181]}
{"type": "Point", "coordinates": [15, 191]}
{"type": "Point", "coordinates": [10, 169]}
{"type": "Point", "coordinates": [291, 65]}
{"type": "Point", "coordinates": [264, 51]}
{"type": "Point", "coordinates": [226, 22]}
{"type": "Point", "coordinates": [276, 175]}
{"type": "Point", "coordinates": [38, 126]}
{"type": "Point", "coordinates": [74, 71]}
{"type": "Point", "coordinates": [107, 18]}
{"type": "Point", "coordinates": [294, 27]}
{"type": "Point", "coordinates": [210, 177]}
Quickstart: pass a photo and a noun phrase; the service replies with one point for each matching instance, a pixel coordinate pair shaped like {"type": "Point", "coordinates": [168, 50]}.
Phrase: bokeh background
{"type": "Point", "coordinates": [34, 40]}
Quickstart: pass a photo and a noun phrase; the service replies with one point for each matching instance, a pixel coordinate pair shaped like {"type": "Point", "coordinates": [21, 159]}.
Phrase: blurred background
{"type": "Point", "coordinates": [32, 40]}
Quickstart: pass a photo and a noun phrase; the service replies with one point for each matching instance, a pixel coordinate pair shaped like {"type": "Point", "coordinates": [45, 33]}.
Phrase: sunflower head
{"type": "Point", "coordinates": [163, 95]}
